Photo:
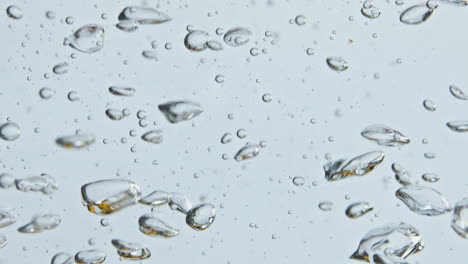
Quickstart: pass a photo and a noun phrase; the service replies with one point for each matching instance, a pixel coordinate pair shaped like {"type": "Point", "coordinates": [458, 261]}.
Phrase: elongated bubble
{"type": "Point", "coordinates": [131, 250]}
{"type": "Point", "coordinates": [46, 93]}
{"type": "Point", "coordinates": [143, 15]}
{"type": "Point", "coordinates": [150, 54]}
{"type": "Point", "coordinates": [358, 166]}
{"type": "Point", "coordinates": [91, 256]}
{"type": "Point", "coordinates": [456, 2]}
{"type": "Point", "coordinates": [396, 241]}
{"type": "Point", "coordinates": [460, 218]}
{"type": "Point", "coordinates": [44, 183]}
{"type": "Point", "coordinates": [153, 136]}
{"type": "Point", "coordinates": [430, 177]}
{"type": "Point", "coordinates": [62, 258]}
{"type": "Point", "coordinates": [87, 39]}
{"type": "Point", "coordinates": [201, 216]}
{"type": "Point", "coordinates": [41, 223]}
{"type": "Point", "coordinates": [247, 152]}
{"type": "Point", "coordinates": [152, 226]}
{"type": "Point", "coordinates": [178, 111]}
{"type": "Point", "coordinates": [60, 68]}
{"type": "Point", "coordinates": [237, 36]}
{"type": "Point", "coordinates": [14, 12]}
{"type": "Point", "coordinates": [337, 63]}
{"type": "Point", "coordinates": [122, 90]}
{"type": "Point", "coordinates": [128, 25]}
{"type": "Point", "coordinates": [156, 198]}
{"type": "Point", "coordinates": [358, 209]}
{"type": "Point", "coordinates": [326, 206]}
{"type": "Point", "coordinates": [458, 126]}
{"type": "Point", "coordinates": [226, 138]}
{"type": "Point", "coordinates": [115, 114]}
{"type": "Point", "coordinates": [402, 175]}
{"type": "Point", "coordinates": [416, 14]}
{"type": "Point", "coordinates": [6, 218]}
{"type": "Point", "coordinates": [214, 45]}
{"type": "Point", "coordinates": [75, 141]}
{"type": "Point", "coordinates": [384, 136]}
{"type": "Point", "coordinates": [3, 240]}
{"type": "Point", "coordinates": [457, 92]}
{"type": "Point", "coordinates": [108, 196]}
{"type": "Point", "coordinates": [423, 200]}
{"type": "Point", "coordinates": [179, 202]}
{"type": "Point", "coordinates": [429, 105]}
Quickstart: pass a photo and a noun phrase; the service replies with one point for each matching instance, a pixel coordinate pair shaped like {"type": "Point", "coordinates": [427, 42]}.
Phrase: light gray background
{"type": "Point", "coordinates": [258, 191]}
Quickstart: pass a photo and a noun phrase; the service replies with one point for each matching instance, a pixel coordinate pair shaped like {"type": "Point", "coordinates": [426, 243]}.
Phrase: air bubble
{"type": "Point", "coordinates": [14, 12]}
{"type": "Point", "coordinates": [9, 131]}
{"type": "Point", "coordinates": [237, 36]}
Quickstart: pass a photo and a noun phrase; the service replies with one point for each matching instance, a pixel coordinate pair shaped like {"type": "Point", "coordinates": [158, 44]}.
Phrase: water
{"type": "Point", "coordinates": [271, 90]}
